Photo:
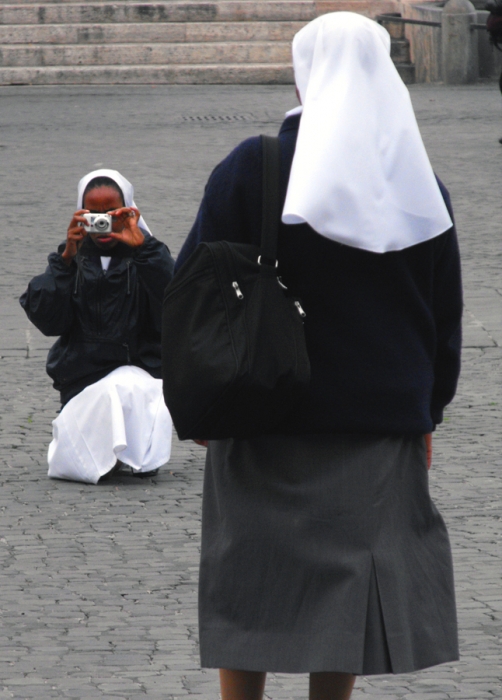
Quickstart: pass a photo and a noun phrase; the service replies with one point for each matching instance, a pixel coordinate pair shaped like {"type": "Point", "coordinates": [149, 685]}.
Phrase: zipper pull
{"type": "Point", "coordinates": [237, 290]}
{"type": "Point", "coordinates": [299, 309]}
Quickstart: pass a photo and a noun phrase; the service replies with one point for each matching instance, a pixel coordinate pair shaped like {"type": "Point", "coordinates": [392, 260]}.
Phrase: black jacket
{"type": "Point", "coordinates": [104, 320]}
{"type": "Point", "coordinates": [382, 329]}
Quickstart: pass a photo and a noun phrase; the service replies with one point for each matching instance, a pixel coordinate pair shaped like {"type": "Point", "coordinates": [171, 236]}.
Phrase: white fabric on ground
{"type": "Point", "coordinates": [123, 416]}
{"type": "Point", "coordinates": [360, 173]}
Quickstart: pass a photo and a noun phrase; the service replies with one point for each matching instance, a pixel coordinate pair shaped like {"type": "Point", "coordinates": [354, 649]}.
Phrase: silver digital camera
{"type": "Point", "coordinates": [98, 223]}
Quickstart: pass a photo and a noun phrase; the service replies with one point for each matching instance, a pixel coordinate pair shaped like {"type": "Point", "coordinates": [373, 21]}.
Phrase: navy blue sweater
{"type": "Point", "coordinates": [383, 330]}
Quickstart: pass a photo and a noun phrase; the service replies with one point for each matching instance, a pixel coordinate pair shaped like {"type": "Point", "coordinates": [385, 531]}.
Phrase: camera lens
{"type": "Point", "coordinates": [101, 224]}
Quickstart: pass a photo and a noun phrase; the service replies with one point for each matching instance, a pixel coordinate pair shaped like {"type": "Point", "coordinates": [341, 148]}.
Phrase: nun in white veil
{"type": "Point", "coordinates": [322, 551]}
{"type": "Point", "coordinates": [102, 293]}
{"type": "Point", "coordinates": [357, 113]}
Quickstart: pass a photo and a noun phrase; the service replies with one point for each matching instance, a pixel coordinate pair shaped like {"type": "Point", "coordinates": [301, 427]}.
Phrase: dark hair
{"type": "Point", "coordinates": [103, 181]}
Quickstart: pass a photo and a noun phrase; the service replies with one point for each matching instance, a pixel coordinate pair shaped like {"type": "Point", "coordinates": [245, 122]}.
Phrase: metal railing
{"type": "Point", "coordinates": [397, 19]}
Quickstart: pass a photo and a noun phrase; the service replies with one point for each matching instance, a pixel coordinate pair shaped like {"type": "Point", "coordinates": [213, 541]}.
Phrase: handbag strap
{"type": "Point", "coordinates": [270, 214]}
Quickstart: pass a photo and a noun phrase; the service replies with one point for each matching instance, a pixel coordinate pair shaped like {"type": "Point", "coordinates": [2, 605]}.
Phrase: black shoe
{"type": "Point", "coordinates": [112, 471]}
{"type": "Point", "coordinates": [500, 140]}
{"type": "Point", "coordinates": [145, 475]}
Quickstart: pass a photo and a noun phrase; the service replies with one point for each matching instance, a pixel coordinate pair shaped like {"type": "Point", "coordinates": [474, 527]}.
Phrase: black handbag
{"type": "Point", "coordinates": [234, 358]}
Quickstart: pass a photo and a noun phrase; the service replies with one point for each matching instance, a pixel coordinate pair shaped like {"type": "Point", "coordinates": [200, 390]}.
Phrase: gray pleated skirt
{"type": "Point", "coordinates": [323, 553]}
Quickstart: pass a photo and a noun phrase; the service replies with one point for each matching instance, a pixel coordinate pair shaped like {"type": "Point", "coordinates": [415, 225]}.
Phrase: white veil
{"type": "Point", "coordinates": [360, 173]}
{"type": "Point", "coordinates": [122, 182]}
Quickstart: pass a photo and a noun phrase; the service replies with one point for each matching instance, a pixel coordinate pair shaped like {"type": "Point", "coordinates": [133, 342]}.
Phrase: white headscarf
{"type": "Point", "coordinates": [125, 186]}
{"type": "Point", "coordinates": [360, 173]}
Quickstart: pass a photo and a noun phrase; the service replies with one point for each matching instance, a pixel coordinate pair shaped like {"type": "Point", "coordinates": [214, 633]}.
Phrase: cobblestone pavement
{"type": "Point", "coordinates": [98, 584]}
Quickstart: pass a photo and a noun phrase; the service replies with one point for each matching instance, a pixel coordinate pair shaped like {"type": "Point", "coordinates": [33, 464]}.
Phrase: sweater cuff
{"type": "Point", "coordinates": [57, 264]}
{"type": "Point", "coordinates": [149, 245]}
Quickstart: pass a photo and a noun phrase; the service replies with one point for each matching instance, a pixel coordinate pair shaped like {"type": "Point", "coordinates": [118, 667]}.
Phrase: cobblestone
{"type": "Point", "coordinates": [98, 585]}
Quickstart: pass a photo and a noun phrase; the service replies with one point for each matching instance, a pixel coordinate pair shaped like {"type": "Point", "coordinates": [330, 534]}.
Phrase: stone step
{"type": "Point", "coordinates": [129, 12]}
{"type": "Point", "coordinates": [233, 74]}
{"type": "Point", "coordinates": [395, 29]}
{"type": "Point", "coordinates": [92, 2]}
{"type": "Point", "coordinates": [174, 41]}
{"type": "Point", "coordinates": [145, 54]}
{"type": "Point", "coordinates": [147, 33]}
{"type": "Point", "coordinates": [371, 8]}
{"type": "Point", "coordinates": [400, 50]}
{"type": "Point", "coordinates": [407, 72]}
{"type": "Point", "coordinates": [110, 2]}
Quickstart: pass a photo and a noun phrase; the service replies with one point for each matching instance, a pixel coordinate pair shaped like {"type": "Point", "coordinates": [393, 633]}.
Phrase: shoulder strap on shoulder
{"type": "Point", "coordinates": [270, 200]}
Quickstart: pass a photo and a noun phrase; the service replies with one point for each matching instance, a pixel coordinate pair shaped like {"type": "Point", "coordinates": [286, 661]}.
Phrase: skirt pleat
{"type": "Point", "coordinates": [323, 553]}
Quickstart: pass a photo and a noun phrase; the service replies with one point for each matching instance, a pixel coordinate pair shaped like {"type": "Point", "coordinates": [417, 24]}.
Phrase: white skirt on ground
{"type": "Point", "coordinates": [121, 417]}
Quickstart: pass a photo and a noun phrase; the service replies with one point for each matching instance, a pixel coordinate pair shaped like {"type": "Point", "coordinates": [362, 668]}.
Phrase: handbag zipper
{"type": "Point", "coordinates": [235, 285]}
{"type": "Point", "coordinates": [299, 309]}
{"type": "Point", "coordinates": [237, 290]}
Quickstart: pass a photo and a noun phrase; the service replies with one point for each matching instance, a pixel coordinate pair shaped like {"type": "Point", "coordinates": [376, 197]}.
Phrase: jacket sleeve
{"type": "Point", "coordinates": [47, 301]}
{"type": "Point", "coordinates": [155, 267]}
{"type": "Point", "coordinates": [448, 307]}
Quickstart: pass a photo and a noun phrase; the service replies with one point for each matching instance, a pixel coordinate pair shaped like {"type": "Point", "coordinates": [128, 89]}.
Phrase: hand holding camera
{"type": "Point", "coordinates": [75, 235]}
{"type": "Point", "coordinates": [104, 228]}
{"type": "Point", "coordinates": [125, 226]}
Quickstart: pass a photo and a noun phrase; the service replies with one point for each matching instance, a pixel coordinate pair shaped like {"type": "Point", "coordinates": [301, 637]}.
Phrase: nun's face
{"type": "Point", "coordinates": [102, 200]}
